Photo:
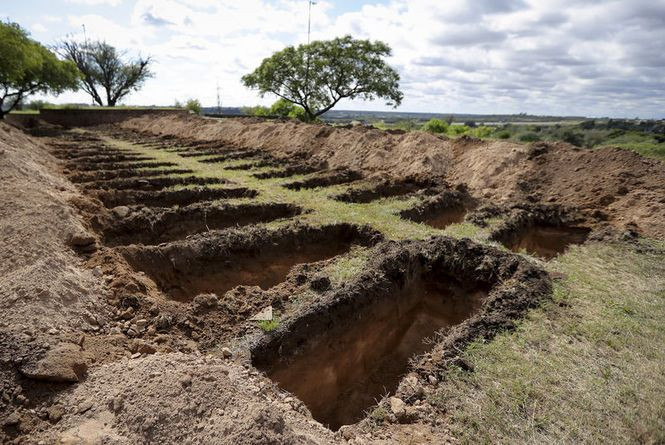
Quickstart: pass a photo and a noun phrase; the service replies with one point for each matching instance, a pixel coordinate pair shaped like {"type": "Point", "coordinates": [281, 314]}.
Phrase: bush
{"type": "Point", "coordinates": [457, 130]}
{"type": "Point", "coordinates": [504, 134]}
{"type": "Point", "coordinates": [572, 138]}
{"type": "Point", "coordinates": [481, 132]}
{"type": "Point", "coordinates": [193, 105]}
{"type": "Point", "coordinates": [529, 137]}
{"type": "Point", "coordinates": [436, 126]}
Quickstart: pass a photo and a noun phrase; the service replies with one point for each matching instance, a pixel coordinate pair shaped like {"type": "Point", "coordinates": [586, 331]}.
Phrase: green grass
{"type": "Point", "coordinates": [24, 112]}
{"type": "Point", "coordinates": [589, 367]}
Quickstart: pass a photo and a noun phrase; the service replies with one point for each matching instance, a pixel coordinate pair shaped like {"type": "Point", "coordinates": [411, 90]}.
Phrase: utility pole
{"type": "Point", "coordinates": [309, 20]}
{"type": "Point", "coordinates": [219, 100]}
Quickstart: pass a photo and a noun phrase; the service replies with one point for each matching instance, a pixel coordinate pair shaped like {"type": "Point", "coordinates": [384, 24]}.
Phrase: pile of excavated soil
{"type": "Point", "coordinates": [627, 189]}
{"type": "Point", "coordinates": [43, 287]}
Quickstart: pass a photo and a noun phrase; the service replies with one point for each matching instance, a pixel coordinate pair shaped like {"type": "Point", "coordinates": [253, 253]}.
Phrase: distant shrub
{"type": "Point", "coordinates": [572, 138]}
{"type": "Point", "coordinates": [436, 126]}
{"type": "Point", "coordinates": [193, 105]}
{"type": "Point", "coordinates": [470, 124]}
{"type": "Point", "coordinates": [457, 130]}
{"type": "Point", "coordinates": [481, 132]}
{"type": "Point", "coordinates": [504, 134]}
{"type": "Point", "coordinates": [258, 110]}
{"type": "Point", "coordinates": [529, 137]}
{"type": "Point", "coordinates": [593, 138]}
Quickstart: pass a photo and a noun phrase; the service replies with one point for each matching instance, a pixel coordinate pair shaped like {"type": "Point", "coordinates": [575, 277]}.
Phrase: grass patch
{"type": "Point", "coordinates": [588, 367]}
{"type": "Point", "coordinates": [269, 325]}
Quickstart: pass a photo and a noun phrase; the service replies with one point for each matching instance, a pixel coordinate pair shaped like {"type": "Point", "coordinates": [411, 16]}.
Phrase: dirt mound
{"type": "Point", "coordinates": [205, 400]}
{"type": "Point", "coordinates": [625, 188]}
{"type": "Point", "coordinates": [41, 282]}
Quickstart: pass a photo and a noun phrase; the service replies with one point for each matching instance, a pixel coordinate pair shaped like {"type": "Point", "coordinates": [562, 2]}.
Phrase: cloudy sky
{"type": "Point", "coordinates": [569, 57]}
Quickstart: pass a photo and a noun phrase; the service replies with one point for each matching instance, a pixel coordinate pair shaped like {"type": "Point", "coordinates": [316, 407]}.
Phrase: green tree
{"type": "Point", "coordinates": [436, 126]}
{"type": "Point", "coordinates": [193, 105]}
{"type": "Point", "coordinates": [318, 75]}
{"type": "Point", "coordinates": [105, 69]}
{"type": "Point", "coordinates": [27, 67]}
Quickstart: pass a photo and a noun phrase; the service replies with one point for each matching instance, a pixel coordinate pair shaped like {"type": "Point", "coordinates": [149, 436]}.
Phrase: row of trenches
{"type": "Point", "coordinates": [408, 312]}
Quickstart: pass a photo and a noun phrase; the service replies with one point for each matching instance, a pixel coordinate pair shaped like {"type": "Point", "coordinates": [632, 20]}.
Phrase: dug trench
{"type": "Point", "coordinates": [216, 262]}
{"type": "Point", "coordinates": [416, 300]}
{"type": "Point", "coordinates": [544, 231]}
{"type": "Point", "coordinates": [162, 198]}
{"type": "Point", "coordinates": [151, 183]}
{"type": "Point", "coordinates": [158, 225]}
{"type": "Point", "coordinates": [447, 206]}
{"type": "Point", "coordinates": [386, 189]}
{"type": "Point", "coordinates": [103, 175]}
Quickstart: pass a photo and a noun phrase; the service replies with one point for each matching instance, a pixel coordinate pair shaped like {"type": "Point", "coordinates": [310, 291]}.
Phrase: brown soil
{"type": "Point", "coordinates": [159, 225]}
{"type": "Point", "coordinates": [217, 262]}
{"type": "Point", "coordinates": [104, 175]}
{"type": "Point", "coordinates": [445, 208]}
{"type": "Point", "coordinates": [117, 165]}
{"type": "Point", "coordinates": [543, 231]}
{"type": "Point", "coordinates": [326, 179]}
{"type": "Point", "coordinates": [151, 183]}
{"type": "Point", "coordinates": [620, 184]}
{"type": "Point", "coordinates": [291, 170]}
{"type": "Point", "coordinates": [385, 189]}
{"type": "Point", "coordinates": [183, 197]}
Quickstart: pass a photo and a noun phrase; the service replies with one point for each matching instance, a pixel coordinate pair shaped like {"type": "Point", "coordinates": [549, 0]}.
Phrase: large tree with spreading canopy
{"type": "Point", "coordinates": [27, 67]}
{"type": "Point", "coordinates": [318, 75]}
{"type": "Point", "coordinates": [107, 74]}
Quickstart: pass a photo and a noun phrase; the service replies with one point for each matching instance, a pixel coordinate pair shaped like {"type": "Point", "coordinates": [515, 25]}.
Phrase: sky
{"type": "Point", "coordinates": [569, 57]}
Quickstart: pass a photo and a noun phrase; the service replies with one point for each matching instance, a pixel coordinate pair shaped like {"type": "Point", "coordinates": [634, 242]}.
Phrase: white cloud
{"type": "Point", "coordinates": [39, 28]}
{"type": "Point", "coordinates": [96, 2]}
{"type": "Point", "coordinates": [570, 57]}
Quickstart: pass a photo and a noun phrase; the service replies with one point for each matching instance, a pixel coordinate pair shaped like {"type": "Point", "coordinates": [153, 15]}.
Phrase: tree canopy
{"type": "Point", "coordinates": [27, 67]}
{"type": "Point", "coordinates": [106, 75]}
{"type": "Point", "coordinates": [318, 75]}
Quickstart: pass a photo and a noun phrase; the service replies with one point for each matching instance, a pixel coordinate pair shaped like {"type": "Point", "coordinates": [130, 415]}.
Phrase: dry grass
{"type": "Point", "coordinates": [589, 367]}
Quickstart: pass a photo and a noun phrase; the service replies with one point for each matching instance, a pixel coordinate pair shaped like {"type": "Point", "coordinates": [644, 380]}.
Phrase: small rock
{"type": "Point", "coordinates": [13, 419]}
{"type": "Point", "coordinates": [63, 363]}
{"type": "Point", "coordinates": [226, 353]}
{"type": "Point", "coordinates": [121, 211]}
{"type": "Point", "coordinates": [264, 315]}
{"type": "Point", "coordinates": [55, 413]}
{"type": "Point", "coordinates": [397, 407]}
{"type": "Point", "coordinates": [141, 324]}
{"type": "Point", "coordinates": [205, 302]}
{"type": "Point", "coordinates": [136, 355]}
{"type": "Point", "coordinates": [347, 432]}
{"type": "Point", "coordinates": [433, 380]}
{"type": "Point", "coordinates": [81, 239]}
{"type": "Point", "coordinates": [127, 313]}
{"type": "Point", "coordinates": [84, 407]}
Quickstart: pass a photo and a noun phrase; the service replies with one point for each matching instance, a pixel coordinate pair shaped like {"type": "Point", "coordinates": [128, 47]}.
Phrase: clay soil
{"type": "Point", "coordinates": [165, 280]}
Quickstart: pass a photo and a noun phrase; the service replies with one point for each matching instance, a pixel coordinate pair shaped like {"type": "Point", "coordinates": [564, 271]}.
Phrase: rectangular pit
{"type": "Point", "coordinates": [544, 240]}
{"type": "Point", "coordinates": [161, 198]}
{"type": "Point", "coordinates": [342, 354]}
{"type": "Point", "coordinates": [219, 261]}
{"type": "Point", "coordinates": [154, 226]}
{"type": "Point", "coordinates": [347, 368]}
{"type": "Point", "coordinates": [440, 211]}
